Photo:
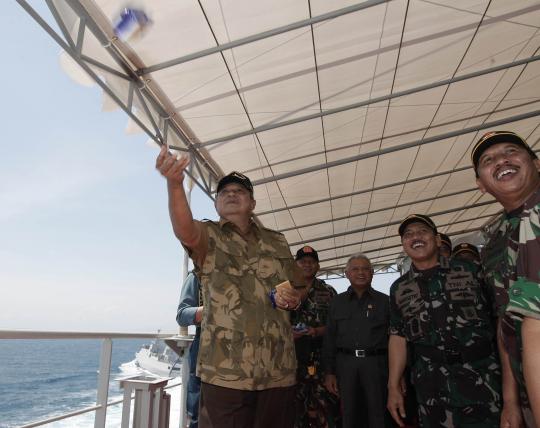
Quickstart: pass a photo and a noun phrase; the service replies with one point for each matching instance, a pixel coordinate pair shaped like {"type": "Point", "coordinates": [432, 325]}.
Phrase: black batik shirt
{"type": "Point", "coordinates": [356, 323]}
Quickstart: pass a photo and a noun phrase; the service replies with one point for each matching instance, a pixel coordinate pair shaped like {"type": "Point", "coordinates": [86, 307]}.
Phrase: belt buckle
{"type": "Point", "coordinates": [360, 353]}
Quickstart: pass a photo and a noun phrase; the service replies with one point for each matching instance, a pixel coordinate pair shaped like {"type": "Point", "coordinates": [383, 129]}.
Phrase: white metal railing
{"type": "Point", "coordinates": [104, 367]}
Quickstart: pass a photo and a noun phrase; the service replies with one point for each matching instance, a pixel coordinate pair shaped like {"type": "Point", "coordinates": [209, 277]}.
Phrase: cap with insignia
{"type": "Point", "coordinates": [445, 239]}
{"type": "Point", "coordinates": [307, 251]}
{"type": "Point", "coordinates": [495, 137]}
{"type": "Point", "coordinates": [416, 218]}
{"type": "Point", "coordinates": [465, 247]}
{"type": "Point", "coordinates": [235, 177]}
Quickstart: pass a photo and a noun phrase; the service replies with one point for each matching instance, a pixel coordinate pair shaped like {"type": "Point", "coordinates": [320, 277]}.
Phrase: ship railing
{"type": "Point", "coordinates": [102, 402]}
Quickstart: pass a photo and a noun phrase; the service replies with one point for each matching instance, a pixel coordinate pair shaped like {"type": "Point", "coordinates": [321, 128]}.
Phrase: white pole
{"type": "Point", "coordinates": [184, 330]}
{"type": "Point", "coordinates": [103, 383]}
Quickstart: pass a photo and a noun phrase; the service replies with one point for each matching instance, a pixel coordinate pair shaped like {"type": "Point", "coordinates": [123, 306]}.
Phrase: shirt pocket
{"type": "Point", "coordinates": [379, 323]}
{"type": "Point", "coordinates": [273, 266]}
{"type": "Point", "coordinates": [229, 258]}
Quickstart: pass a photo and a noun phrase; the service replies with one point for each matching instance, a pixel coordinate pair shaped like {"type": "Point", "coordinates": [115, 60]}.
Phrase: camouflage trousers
{"type": "Point", "coordinates": [477, 416]}
{"type": "Point", "coordinates": [315, 406]}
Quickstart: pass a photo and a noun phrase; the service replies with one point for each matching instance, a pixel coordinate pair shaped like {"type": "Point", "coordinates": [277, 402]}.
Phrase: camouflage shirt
{"type": "Point", "coordinates": [313, 313]}
{"type": "Point", "coordinates": [447, 309]}
{"type": "Point", "coordinates": [511, 260]}
{"type": "Point", "coordinates": [245, 343]}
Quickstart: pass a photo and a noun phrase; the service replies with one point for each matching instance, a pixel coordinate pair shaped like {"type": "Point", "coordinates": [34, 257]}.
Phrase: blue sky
{"type": "Point", "coordinates": [86, 238]}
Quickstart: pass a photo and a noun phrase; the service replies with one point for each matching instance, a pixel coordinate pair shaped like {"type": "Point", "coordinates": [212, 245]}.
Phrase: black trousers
{"type": "Point", "coordinates": [234, 408]}
{"type": "Point", "coordinates": [362, 384]}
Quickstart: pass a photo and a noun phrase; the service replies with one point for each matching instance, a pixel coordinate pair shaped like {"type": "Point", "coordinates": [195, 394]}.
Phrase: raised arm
{"type": "Point", "coordinates": [172, 168]}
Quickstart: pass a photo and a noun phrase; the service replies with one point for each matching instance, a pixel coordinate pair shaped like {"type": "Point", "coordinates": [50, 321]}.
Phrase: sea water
{"type": "Point", "coordinates": [40, 379]}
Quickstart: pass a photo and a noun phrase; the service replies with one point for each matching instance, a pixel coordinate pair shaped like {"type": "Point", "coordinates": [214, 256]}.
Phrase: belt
{"type": "Point", "coordinates": [362, 353]}
{"type": "Point", "coordinates": [454, 356]}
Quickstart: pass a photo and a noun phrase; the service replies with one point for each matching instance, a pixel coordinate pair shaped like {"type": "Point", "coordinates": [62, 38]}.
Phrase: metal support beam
{"type": "Point", "coordinates": [60, 22]}
{"type": "Point", "coordinates": [141, 83]}
{"type": "Point", "coordinates": [373, 189]}
{"type": "Point", "coordinates": [390, 247]}
{"type": "Point", "coordinates": [417, 201]}
{"type": "Point", "coordinates": [261, 36]}
{"type": "Point", "coordinates": [136, 82]}
{"type": "Point", "coordinates": [384, 138]}
{"type": "Point", "coordinates": [368, 102]}
{"type": "Point", "coordinates": [391, 260]}
{"type": "Point", "coordinates": [399, 147]}
{"type": "Point", "coordinates": [391, 223]}
{"type": "Point", "coordinates": [360, 192]}
{"type": "Point", "coordinates": [84, 66]}
{"type": "Point", "coordinates": [386, 237]}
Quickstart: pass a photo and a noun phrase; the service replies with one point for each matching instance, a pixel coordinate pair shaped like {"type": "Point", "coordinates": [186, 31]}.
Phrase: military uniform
{"type": "Point", "coordinates": [245, 343]}
{"type": "Point", "coordinates": [316, 407]}
{"type": "Point", "coordinates": [512, 264]}
{"type": "Point", "coordinates": [444, 313]}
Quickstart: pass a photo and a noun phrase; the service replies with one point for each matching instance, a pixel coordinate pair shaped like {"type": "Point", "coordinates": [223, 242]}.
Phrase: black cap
{"type": "Point", "coordinates": [465, 247]}
{"type": "Point", "coordinates": [235, 177]}
{"type": "Point", "coordinates": [445, 239]}
{"type": "Point", "coordinates": [495, 137]}
{"type": "Point", "coordinates": [307, 251]}
{"type": "Point", "coordinates": [416, 218]}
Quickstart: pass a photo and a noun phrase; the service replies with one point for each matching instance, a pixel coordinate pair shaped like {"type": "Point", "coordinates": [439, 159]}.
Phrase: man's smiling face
{"type": "Point", "coordinates": [509, 173]}
{"type": "Point", "coordinates": [421, 243]}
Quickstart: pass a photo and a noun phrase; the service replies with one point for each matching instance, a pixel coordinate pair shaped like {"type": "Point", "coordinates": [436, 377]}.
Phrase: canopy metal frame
{"type": "Point", "coordinates": [152, 110]}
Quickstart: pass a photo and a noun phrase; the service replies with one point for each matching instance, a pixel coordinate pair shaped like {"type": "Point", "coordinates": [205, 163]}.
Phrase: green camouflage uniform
{"type": "Point", "coordinates": [444, 313]}
{"type": "Point", "coordinates": [511, 260]}
{"type": "Point", "coordinates": [245, 343]}
{"type": "Point", "coordinates": [316, 407]}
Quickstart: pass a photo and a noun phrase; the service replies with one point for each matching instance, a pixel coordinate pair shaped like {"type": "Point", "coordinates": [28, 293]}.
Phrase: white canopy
{"type": "Point", "coordinates": [347, 116]}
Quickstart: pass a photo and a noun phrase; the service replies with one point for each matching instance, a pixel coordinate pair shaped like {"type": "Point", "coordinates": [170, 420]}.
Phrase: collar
{"type": "Point", "coordinates": [531, 201]}
{"type": "Point", "coordinates": [352, 294]}
{"type": "Point", "coordinates": [444, 264]}
{"type": "Point", "coordinates": [222, 222]}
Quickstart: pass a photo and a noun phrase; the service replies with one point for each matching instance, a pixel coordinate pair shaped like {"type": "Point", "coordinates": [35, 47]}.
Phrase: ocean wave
{"type": "Point", "coordinates": [63, 378]}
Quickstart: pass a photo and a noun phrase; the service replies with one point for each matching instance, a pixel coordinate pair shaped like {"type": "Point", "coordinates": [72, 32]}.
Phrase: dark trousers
{"type": "Point", "coordinates": [363, 391]}
{"type": "Point", "coordinates": [194, 384]}
{"type": "Point", "coordinates": [234, 408]}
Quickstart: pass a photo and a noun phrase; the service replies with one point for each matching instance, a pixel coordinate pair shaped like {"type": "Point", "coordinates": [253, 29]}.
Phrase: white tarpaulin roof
{"type": "Point", "coordinates": [347, 116]}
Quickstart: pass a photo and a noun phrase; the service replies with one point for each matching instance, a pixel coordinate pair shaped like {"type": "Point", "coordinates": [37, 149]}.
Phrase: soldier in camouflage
{"type": "Point", "coordinates": [315, 406]}
{"type": "Point", "coordinates": [246, 360]}
{"type": "Point", "coordinates": [508, 169]}
{"type": "Point", "coordinates": [442, 309]}
{"type": "Point", "coordinates": [445, 249]}
{"type": "Point", "coordinates": [466, 251]}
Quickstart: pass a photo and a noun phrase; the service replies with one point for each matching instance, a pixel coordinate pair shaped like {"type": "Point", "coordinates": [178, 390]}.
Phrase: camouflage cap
{"type": "Point", "coordinates": [465, 247]}
{"type": "Point", "coordinates": [235, 177]}
{"type": "Point", "coordinates": [495, 137]}
{"type": "Point", "coordinates": [416, 218]}
{"type": "Point", "coordinates": [445, 239]}
{"type": "Point", "coordinates": [307, 251]}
